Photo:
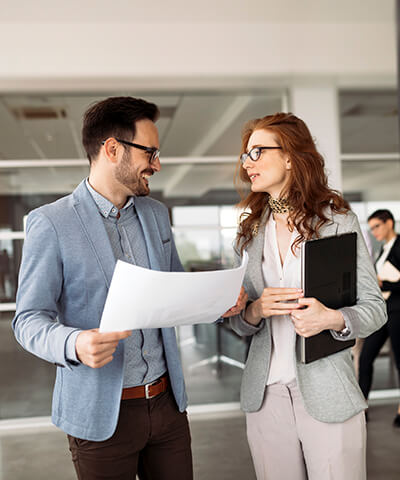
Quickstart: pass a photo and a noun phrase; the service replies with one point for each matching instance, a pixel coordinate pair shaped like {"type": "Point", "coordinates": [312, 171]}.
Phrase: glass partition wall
{"type": "Point", "coordinates": [41, 160]}
{"type": "Point", "coordinates": [371, 177]}
{"type": "Point", "coordinates": [200, 140]}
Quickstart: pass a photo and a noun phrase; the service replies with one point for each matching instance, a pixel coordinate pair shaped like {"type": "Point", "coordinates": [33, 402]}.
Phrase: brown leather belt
{"type": "Point", "coordinates": [149, 390]}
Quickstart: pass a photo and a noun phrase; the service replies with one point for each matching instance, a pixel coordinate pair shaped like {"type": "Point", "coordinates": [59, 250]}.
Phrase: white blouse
{"type": "Point", "coordinates": [382, 259]}
{"type": "Point", "coordinates": [288, 275]}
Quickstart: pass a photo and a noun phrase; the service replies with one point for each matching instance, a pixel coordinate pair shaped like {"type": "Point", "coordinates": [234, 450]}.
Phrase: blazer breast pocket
{"type": "Point", "coordinates": [167, 248]}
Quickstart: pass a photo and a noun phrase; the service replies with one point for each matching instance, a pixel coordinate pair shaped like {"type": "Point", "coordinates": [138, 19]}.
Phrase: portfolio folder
{"type": "Point", "coordinates": [329, 274]}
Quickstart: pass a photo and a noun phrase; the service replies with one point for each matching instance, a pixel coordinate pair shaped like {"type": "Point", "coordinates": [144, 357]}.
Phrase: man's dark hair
{"type": "Point", "coordinates": [383, 215]}
{"type": "Point", "coordinates": [114, 117]}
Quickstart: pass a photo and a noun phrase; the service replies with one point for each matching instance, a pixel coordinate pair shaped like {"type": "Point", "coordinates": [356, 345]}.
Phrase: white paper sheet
{"type": "Point", "coordinates": [389, 273]}
{"type": "Point", "coordinates": [142, 298]}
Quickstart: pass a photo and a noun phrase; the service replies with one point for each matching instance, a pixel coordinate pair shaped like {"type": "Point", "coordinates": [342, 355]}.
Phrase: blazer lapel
{"type": "Point", "coordinates": [93, 226]}
{"type": "Point", "coordinates": [151, 233]}
{"type": "Point", "coordinates": [255, 250]}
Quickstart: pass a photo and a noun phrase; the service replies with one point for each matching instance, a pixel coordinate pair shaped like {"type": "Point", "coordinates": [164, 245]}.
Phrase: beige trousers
{"type": "Point", "coordinates": [286, 443]}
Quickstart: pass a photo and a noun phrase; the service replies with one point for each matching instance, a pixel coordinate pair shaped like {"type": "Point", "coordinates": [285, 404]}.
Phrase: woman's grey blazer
{"type": "Point", "coordinates": [328, 386]}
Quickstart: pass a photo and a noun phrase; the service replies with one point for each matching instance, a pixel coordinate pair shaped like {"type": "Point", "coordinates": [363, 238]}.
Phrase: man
{"type": "Point", "coordinates": [382, 227]}
{"type": "Point", "coordinates": [119, 396]}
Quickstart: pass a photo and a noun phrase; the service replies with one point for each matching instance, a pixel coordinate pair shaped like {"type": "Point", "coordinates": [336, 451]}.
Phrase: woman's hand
{"type": "Point", "coordinates": [315, 317]}
{"type": "Point", "coordinates": [273, 301]}
{"type": "Point", "coordinates": [240, 304]}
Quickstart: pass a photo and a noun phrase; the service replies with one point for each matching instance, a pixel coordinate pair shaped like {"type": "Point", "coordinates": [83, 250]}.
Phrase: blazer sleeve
{"type": "Point", "coordinates": [394, 258]}
{"type": "Point", "coordinates": [390, 286]}
{"type": "Point", "coordinates": [369, 312]}
{"type": "Point", "coordinates": [35, 323]}
{"type": "Point", "coordinates": [237, 322]}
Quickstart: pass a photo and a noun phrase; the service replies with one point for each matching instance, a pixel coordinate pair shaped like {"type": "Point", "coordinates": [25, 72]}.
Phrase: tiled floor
{"type": "Point", "coordinates": [219, 440]}
{"type": "Point", "coordinates": [220, 450]}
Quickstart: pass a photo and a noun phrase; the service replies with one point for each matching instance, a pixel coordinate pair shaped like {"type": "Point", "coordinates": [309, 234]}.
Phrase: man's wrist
{"type": "Point", "coordinates": [70, 347]}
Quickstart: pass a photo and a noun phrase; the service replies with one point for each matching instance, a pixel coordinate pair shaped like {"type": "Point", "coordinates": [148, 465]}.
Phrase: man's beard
{"type": "Point", "coordinates": [131, 179]}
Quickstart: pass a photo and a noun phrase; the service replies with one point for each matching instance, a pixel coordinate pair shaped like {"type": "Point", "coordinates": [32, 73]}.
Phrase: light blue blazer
{"type": "Point", "coordinates": [66, 269]}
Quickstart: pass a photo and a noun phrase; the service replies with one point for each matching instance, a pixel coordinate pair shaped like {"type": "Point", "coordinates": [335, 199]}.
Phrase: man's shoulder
{"type": "Point", "coordinates": [395, 250]}
{"type": "Point", "coordinates": [54, 209]}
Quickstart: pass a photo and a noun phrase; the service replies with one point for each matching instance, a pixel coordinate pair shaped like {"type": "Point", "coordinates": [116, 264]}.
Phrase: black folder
{"type": "Point", "coordinates": [329, 274]}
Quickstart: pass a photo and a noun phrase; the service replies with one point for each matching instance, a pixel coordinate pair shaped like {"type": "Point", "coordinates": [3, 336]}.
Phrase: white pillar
{"type": "Point", "coordinates": [318, 107]}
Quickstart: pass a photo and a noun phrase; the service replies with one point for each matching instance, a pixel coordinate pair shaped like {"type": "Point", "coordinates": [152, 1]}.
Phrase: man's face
{"type": "Point", "coordinates": [380, 229]}
{"type": "Point", "coordinates": [134, 168]}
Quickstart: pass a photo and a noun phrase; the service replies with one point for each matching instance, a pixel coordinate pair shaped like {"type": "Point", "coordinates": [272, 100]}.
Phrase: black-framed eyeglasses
{"type": "Point", "coordinates": [255, 153]}
{"type": "Point", "coordinates": [152, 151]}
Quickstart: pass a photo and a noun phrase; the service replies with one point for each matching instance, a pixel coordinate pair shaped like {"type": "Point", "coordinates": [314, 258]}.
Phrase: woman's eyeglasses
{"type": "Point", "coordinates": [255, 153]}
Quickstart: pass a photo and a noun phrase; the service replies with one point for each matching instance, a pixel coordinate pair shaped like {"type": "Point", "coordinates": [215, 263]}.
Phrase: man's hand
{"type": "Point", "coordinates": [240, 304]}
{"type": "Point", "coordinates": [96, 349]}
{"type": "Point", "coordinates": [315, 318]}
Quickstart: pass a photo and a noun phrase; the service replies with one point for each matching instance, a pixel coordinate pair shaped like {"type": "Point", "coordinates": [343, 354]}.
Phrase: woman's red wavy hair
{"type": "Point", "coordinates": [307, 190]}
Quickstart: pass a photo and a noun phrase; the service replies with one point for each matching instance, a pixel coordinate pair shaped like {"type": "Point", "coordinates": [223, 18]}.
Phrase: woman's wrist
{"type": "Point", "coordinates": [336, 321]}
{"type": "Point", "coordinates": [252, 315]}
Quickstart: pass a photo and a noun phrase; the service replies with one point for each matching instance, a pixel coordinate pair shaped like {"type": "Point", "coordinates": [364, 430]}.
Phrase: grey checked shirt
{"type": "Point", "coordinates": [144, 353]}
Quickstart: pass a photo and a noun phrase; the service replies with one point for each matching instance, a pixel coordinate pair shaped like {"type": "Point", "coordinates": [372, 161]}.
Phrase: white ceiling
{"type": "Point", "coordinates": [193, 125]}
{"type": "Point", "coordinates": [184, 11]}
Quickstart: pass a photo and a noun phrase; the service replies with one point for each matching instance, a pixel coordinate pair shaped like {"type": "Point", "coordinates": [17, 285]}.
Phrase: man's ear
{"type": "Point", "coordinates": [110, 148]}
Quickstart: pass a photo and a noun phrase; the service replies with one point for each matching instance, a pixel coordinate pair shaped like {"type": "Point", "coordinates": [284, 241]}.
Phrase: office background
{"type": "Point", "coordinates": [210, 66]}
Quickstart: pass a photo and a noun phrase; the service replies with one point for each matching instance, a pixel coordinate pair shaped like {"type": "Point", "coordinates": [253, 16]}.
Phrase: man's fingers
{"type": "Point", "coordinates": [99, 348]}
{"type": "Point", "coordinates": [108, 337]}
{"type": "Point", "coordinates": [100, 363]}
{"type": "Point", "coordinates": [95, 359]}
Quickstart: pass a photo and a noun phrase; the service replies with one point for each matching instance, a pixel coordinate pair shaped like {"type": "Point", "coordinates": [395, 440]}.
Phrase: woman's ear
{"type": "Point", "coordinates": [288, 163]}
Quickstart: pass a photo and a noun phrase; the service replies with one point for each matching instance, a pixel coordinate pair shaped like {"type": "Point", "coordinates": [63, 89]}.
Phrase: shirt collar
{"type": "Point", "coordinates": [389, 245]}
{"type": "Point", "coordinates": [104, 205]}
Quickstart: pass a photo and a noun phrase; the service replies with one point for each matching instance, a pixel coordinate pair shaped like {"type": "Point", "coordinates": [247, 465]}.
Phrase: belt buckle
{"type": "Point", "coordinates": [146, 389]}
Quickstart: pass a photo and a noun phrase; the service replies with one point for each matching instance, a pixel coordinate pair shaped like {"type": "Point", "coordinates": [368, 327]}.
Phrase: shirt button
{"type": "Point", "coordinates": [114, 210]}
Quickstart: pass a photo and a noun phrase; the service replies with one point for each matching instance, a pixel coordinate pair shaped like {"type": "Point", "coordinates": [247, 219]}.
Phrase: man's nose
{"type": "Point", "coordinates": [156, 165]}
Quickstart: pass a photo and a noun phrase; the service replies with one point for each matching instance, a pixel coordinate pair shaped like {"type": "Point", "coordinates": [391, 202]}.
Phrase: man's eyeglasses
{"type": "Point", "coordinates": [152, 151]}
{"type": "Point", "coordinates": [374, 227]}
{"type": "Point", "coordinates": [255, 153]}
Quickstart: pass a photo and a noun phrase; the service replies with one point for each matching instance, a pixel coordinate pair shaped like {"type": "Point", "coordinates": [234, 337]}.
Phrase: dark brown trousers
{"type": "Point", "coordinates": [152, 440]}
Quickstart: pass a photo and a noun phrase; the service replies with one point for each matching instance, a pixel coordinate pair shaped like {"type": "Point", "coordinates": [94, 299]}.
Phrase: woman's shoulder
{"type": "Point", "coordinates": [395, 250]}
{"type": "Point", "coordinates": [341, 218]}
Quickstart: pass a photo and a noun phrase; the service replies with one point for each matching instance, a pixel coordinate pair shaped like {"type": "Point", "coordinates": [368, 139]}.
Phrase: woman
{"type": "Point", "coordinates": [303, 420]}
{"type": "Point", "coordinates": [381, 224]}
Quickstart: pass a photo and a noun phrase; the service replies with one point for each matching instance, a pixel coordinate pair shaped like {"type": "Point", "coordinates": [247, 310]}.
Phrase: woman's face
{"type": "Point", "coordinates": [271, 171]}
